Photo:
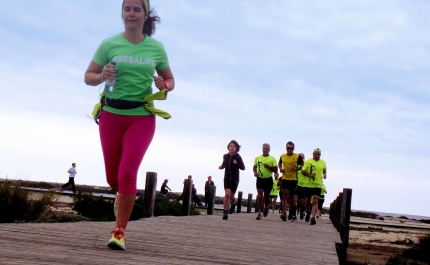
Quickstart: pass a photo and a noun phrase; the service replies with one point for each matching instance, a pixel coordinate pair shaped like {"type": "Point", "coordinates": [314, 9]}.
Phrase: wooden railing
{"type": "Point", "coordinates": [340, 213]}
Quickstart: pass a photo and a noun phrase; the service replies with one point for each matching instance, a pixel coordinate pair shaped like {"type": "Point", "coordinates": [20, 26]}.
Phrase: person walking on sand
{"type": "Point", "coordinates": [72, 172]}
{"type": "Point", "coordinates": [231, 162]}
{"type": "Point", "coordinates": [208, 185]}
{"type": "Point", "coordinates": [288, 164]}
{"type": "Point", "coordinates": [127, 117]}
{"type": "Point", "coordinates": [314, 168]}
{"type": "Point", "coordinates": [264, 166]}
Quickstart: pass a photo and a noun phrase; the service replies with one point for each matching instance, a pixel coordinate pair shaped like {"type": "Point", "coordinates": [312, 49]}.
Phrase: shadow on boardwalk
{"type": "Point", "coordinates": [174, 240]}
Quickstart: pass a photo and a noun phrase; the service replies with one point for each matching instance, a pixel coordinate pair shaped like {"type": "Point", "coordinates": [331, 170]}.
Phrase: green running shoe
{"type": "Point", "coordinates": [118, 239]}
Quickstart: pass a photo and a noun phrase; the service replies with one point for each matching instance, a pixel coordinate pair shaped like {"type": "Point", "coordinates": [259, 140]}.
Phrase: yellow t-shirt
{"type": "Point", "coordinates": [288, 161]}
{"type": "Point", "coordinates": [317, 167]}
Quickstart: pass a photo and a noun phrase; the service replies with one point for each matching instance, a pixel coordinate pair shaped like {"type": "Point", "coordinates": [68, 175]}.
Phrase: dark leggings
{"type": "Point", "coordinates": [71, 182]}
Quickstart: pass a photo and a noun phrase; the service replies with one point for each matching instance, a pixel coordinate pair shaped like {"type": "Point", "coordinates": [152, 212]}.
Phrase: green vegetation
{"type": "Point", "coordinates": [17, 206]}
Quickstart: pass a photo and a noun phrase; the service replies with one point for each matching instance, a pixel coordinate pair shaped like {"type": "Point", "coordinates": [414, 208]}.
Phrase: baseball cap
{"type": "Point", "coordinates": [317, 150]}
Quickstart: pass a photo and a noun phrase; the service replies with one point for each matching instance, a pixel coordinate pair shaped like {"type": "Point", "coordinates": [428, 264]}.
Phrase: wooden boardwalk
{"type": "Point", "coordinates": [174, 240]}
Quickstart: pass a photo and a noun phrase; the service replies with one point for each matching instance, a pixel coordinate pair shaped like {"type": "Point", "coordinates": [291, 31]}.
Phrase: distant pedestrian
{"type": "Point", "coordinates": [274, 192]}
{"type": "Point", "coordinates": [264, 166]}
{"type": "Point", "coordinates": [231, 162]}
{"type": "Point", "coordinates": [164, 188]}
{"type": "Point", "coordinates": [321, 200]}
{"type": "Point", "coordinates": [182, 195]}
{"type": "Point", "coordinates": [72, 172]}
{"type": "Point", "coordinates": [315, 169]}
{"type": "Point", "coordinates": [208, 185]}
{"type": "Point", "coordinates": [195, 198]}
{"type": "Point", "coordinates": [302, 183]}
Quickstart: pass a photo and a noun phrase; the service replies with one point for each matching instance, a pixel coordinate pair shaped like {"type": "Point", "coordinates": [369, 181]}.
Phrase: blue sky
{"type": "Point", "coordinates": [348, 77]}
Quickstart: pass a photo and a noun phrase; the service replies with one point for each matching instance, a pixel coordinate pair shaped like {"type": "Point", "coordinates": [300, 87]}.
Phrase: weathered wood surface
{"type": "Point", "coordinates": [203, 239]}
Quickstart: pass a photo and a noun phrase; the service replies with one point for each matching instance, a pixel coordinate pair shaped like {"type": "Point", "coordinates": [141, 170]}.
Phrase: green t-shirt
{"type": "Point", "coordinates": [261, 170]}
{"type": "Point", "coordinates": [275, 189]}
{"type": "Point", "coordinates": [302, 180]}
{"type": "Point", "coordinates": [317, 167]}
{"type": "Point", "coordinates": [136, 66]}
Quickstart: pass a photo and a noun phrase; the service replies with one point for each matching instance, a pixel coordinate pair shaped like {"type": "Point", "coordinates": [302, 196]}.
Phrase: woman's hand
{"type": "Point", "coordinates": [159, 82]}
{"type": "Point", "coordinates": [108, 72]}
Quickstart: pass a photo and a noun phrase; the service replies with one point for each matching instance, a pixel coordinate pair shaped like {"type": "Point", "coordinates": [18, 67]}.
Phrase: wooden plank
{"type": "Point", "coordinates": [173, 240]}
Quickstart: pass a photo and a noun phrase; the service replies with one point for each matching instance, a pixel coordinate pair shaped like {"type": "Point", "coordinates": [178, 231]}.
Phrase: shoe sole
{"type": "Point", "coordinates": [115, 246]}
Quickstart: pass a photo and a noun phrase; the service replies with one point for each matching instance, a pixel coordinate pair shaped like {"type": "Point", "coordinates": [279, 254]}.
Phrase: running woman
{"type": "Point", "coordinates": [127, 132]}
{"type": "Point", "coordinates": [231, 162]}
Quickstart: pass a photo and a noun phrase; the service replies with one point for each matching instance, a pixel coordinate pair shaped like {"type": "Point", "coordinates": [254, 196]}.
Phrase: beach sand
{"type": "Point", "coordinates": [373, 241]}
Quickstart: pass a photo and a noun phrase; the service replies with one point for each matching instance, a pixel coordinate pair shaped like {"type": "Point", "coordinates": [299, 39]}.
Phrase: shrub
{"type": "Point", "coordinates": [17, 206]}
{"type": "Point", "coordinates": [421, 251]}
{"type": "Point", "coordinates": [95, 208]}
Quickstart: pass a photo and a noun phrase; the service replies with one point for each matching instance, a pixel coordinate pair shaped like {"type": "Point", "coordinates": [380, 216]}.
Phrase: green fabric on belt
{"type": "Point", "coordinates": [160, 95]}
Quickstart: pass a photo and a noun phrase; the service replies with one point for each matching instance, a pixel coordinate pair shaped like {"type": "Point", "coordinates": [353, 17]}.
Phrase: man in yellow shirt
{"type": "Point", "coordinates": [264, 166]}
{"type": "Point", "coordinates": [315, 169]}
{"type": "Point", "coordinates": [288, 165]}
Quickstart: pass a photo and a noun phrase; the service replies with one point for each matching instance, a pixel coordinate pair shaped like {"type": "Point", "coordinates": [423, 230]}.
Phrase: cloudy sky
{"type": "Point", "coordinates": [351, 78]}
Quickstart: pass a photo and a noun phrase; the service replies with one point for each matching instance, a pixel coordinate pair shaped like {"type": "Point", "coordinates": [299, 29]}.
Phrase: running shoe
{"type": "Point", "coordinates": [290, 215]}
{"type": "Point", "coordinates": [225, 216]}
{"type": "Point", "coordinates": [308, 216]}
{"type": "Point", "coordinates": [284, 217]}
{"type": "Point", "coordinates": [273, 211]}
{"type": "Point", "coordinates": [258, 216]}
{"type": "Point", "coordinates": [118, 239]}
{"type": "Point", "coordinates": [266, 211]}
{"type": "Point", "coordinates": [232, 208]}
{"type": "Point", "coordinates": [302, 215]}
{"type": "Point", "coordinates": [313, 222]}
{"type": "Point", "coordinates": [294, 219]}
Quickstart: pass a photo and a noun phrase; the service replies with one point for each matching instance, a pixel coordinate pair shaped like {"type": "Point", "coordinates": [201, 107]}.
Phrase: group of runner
{"type": "Point", "coordinates": [301, 182]}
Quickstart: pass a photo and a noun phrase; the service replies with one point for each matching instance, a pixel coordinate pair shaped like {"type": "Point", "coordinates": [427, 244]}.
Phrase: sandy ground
{"type": "Point", "coordinates": [375, 241]}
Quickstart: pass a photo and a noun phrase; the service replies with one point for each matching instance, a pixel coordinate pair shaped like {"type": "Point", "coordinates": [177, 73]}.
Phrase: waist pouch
{"type": "Point", "coordinates": [128, 104]}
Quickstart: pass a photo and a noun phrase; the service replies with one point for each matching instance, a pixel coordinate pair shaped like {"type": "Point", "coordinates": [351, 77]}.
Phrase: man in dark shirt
{"type": "Point", "coordinates": [208, 185]}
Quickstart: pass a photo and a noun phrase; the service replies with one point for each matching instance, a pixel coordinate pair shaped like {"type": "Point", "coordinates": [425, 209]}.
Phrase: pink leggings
{"type": "Point", "coordinates": [124, 140]}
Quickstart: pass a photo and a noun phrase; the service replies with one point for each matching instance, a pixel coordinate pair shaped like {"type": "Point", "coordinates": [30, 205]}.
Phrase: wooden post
{"type": "Point", "coordinates": [211, 203]}
{"type": "Point", "coordinates": [345, 216]}
{"type": "Point", "coordinates": [149, 196]}
{"type": "Point", "coordinates": [239, 202]}
{"type": "Point", "coordinates": [186, 197]}
{"type": "Point", "coordinates": [339, 207]}
{"type": "Point", "coordinates": [248, 210]}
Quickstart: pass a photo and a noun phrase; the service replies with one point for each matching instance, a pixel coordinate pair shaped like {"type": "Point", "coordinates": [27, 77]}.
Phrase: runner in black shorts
{"type": "Point", "coordinates": [264, 166]}
{"type": "Point", "coordinates": [232, 162]}
{"type": "Point", "coordinates": [288, 164]}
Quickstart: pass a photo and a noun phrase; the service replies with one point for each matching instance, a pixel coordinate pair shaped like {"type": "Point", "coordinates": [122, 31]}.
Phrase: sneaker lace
{"type": "Point", "coordinates": [118, 233]}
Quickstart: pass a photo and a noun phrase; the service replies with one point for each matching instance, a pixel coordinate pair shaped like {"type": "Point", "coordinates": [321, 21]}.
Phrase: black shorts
{"type": "Point", "coordinates": [230, 185]}
{"type": "Point", "coordinates": [320, 203]}
{"type": "Point", "coordinates": [265, 183]}
{"type": "Point", "coordinates": [301, 193]}
{"type": "Point", "coordinates": [312, 191]}
{"type": "Point", "coordinates": [289, 185]}
{"type": "Point", "coordinates": [273, 196]}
